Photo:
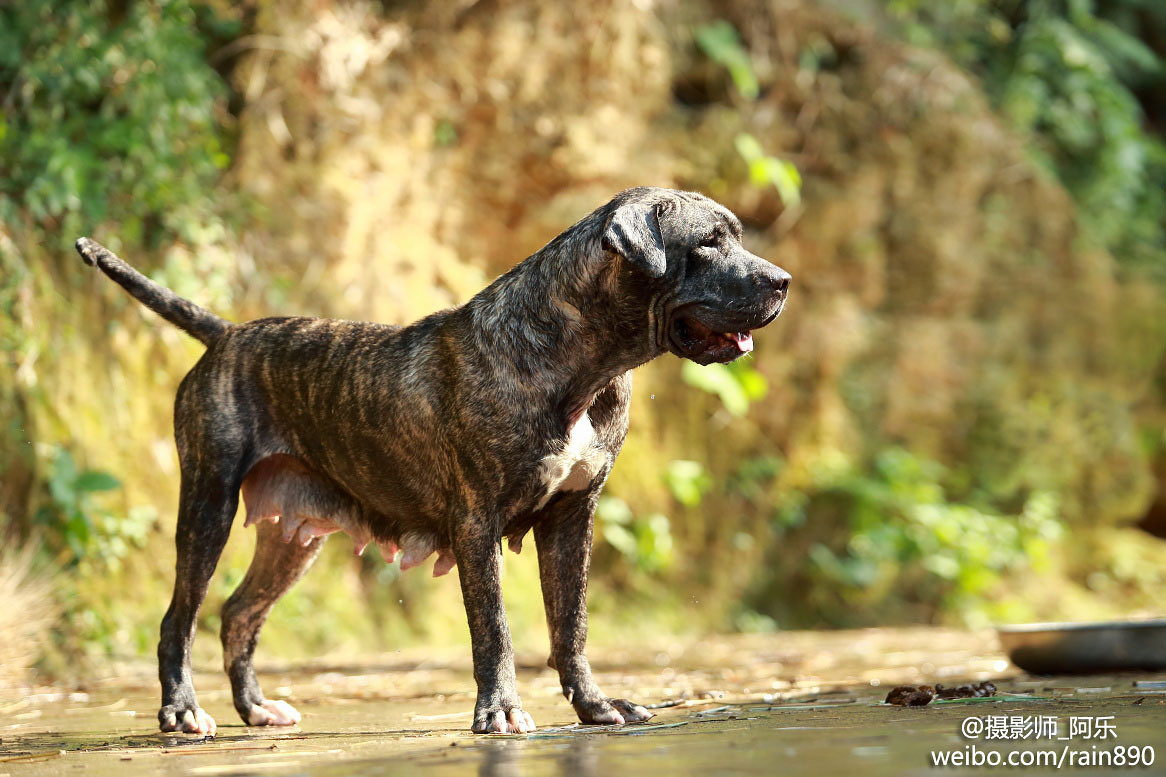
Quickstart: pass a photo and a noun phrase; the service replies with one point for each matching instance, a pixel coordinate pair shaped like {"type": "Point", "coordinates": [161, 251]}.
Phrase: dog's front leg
{"type": "Point", "coordinates": [479, 561]}
{"type": "Point", "coordinates": [563, 538]}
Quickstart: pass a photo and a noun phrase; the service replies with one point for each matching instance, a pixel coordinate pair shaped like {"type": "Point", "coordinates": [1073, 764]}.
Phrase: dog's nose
{"type": "Point", "coordinates": [779, 279]}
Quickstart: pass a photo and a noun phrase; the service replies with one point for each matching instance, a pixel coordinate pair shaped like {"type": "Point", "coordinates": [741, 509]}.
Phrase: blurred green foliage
{"type": "Point", "coordinates": [720, 43]}
{"type": "Point", "coordinates": [765, 169]}
{"type": "Point", "coordinates": [687, 481]}
{"type": "Point", "coordinates": [1065, 71]}
{"type": "Point", "coordinates": [111, 113]}
{"type": "Point", "coordinates": [736, 384]}
{"type": "Point", "coordinates": [112, 120]}
{"type": "Point", "coordinates": [905, 534]}
{"type": "Point", "coordinates": [916, 535]}
{"type": "Point", "coordinates": [71, 514]}
{"type": "Point", "coordinates": [89, 539]}
{"type": "Point", "coordinates": [644, 542]}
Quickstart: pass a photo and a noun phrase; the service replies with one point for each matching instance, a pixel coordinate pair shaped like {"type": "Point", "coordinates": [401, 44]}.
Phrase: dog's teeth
{"type": "Point", "coordinates": [743, 341]}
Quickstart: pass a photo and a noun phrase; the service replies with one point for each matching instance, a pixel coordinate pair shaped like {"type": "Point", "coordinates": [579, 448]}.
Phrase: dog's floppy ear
{"type": "Point", "coordinates": [634, 233]}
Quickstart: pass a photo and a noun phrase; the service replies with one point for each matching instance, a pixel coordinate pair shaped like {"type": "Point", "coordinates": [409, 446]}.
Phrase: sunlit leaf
{"type": "Point", "coordinates": [717, 379]}
{"type": "Point", "coordinates": [720, 43]}
{"type": "Point", "coordinates": [95, 480]}
{"type": "Point", "coordinates": [688, 481]}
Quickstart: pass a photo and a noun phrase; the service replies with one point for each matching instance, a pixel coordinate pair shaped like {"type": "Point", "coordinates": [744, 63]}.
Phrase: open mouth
{"type": "Point", "coordinates": [693, 340]}
{"type": "Point", "coordinates": [705, 343]}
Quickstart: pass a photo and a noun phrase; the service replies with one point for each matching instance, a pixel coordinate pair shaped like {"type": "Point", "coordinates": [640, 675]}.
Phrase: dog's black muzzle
{"type": "Point", "coordinates": [707, 332]}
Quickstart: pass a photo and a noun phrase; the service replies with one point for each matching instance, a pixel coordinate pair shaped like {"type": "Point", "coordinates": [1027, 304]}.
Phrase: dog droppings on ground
{"type": "Point", "coordinates": [408, 712]}
{"type": "Point", "coordinates": [922, 695]}
{"type": "Point", "coordinates": [910, 696]}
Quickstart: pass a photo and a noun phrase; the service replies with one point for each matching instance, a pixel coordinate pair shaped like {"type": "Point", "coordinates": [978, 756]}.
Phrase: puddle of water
{"type": "Point", "coordinates": [786, 703]}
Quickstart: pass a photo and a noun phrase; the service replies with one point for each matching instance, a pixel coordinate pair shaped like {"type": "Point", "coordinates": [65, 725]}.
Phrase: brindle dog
{"type": "Point", "coordinates": [471, 425]}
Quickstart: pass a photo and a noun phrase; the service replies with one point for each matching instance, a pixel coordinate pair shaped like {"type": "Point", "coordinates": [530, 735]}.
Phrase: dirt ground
{"type": "Point", "coordinates": [796, 703]}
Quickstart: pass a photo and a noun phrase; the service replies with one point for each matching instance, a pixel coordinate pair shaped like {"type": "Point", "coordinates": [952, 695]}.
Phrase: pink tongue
{"type": "Point", "coordinates": [744, 341]}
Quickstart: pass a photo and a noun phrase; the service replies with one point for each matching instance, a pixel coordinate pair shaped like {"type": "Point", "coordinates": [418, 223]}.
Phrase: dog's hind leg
{"type": "Point", "coordinates": [206, 507]}
{"type": "Point", "coordinates": [275, 568]}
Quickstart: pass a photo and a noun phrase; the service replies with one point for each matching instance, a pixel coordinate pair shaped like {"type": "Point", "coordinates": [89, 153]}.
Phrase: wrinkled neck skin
{"type": "Point", "coordinates": [560, 326]}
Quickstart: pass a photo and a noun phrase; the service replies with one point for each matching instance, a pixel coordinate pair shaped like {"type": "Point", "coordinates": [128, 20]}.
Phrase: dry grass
{"type": "Point", "coordinates": [27, 613]}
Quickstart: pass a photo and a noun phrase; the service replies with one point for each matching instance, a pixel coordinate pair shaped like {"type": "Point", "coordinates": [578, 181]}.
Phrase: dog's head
{"type": "Point", "coordinates": [706, 293]}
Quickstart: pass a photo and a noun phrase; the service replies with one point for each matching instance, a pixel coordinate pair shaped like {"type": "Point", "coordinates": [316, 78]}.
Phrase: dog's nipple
{"type": "Point", "coordinates": [388, 550]}
{"type": "Point", "coordinates": [445, 562]}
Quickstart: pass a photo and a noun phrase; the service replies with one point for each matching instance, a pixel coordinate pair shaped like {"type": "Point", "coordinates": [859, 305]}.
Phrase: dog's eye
{"type": "Point", "coordinates": [712, 241]}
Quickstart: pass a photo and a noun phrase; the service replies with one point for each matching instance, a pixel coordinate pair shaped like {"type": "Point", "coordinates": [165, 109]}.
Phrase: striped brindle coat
{"type": "Point", "coordinates": [474, 424]}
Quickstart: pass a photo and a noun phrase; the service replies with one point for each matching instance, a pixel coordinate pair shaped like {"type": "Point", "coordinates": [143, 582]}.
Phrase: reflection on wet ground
{"type": "Point", "coordinates": [796, 703]}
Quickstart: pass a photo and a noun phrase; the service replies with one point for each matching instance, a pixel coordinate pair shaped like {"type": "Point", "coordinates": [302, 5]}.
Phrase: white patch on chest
{"type": "Point", "coordinates": [576, 465]}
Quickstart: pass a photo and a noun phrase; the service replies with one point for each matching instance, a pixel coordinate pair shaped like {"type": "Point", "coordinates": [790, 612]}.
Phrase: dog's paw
{"type": "Point", "coordinates": [631, 712]}
{"type": "Point", "coordinates": [502, 720]}
{"type": "Point", "coordinates": [188, 720]}
{"type": "Point", "coordinates": [611, 712]}
{"type": "Point", "coordinates": [272, 713]}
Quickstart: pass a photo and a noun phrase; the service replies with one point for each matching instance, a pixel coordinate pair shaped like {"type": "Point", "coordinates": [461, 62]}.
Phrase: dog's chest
{"type": "Point", "coordinates": [575, 465]}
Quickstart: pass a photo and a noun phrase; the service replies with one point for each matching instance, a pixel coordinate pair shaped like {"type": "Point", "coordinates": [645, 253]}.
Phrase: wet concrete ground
{"type": "Point", "coordinates": [791, 703]}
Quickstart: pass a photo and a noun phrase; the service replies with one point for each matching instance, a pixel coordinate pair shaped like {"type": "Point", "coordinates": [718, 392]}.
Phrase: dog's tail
{"type": "Point", "coordinates": [184, 314]}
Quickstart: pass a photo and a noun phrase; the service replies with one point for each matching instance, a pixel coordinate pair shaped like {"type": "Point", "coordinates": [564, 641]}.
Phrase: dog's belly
{"type": "Point", "coordinates": [281, 489]}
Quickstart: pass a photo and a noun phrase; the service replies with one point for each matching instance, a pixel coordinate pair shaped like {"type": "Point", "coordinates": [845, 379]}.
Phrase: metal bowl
{"type": "Point", "coordinates": [1080, 648]}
